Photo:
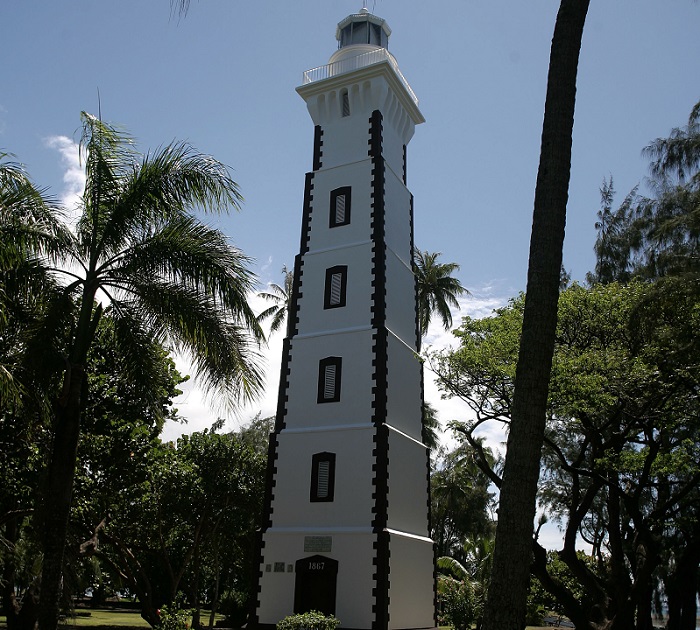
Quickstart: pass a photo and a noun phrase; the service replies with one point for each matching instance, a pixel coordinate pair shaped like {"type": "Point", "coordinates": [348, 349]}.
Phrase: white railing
{"type": "Point", "coordinates": [354, 63]}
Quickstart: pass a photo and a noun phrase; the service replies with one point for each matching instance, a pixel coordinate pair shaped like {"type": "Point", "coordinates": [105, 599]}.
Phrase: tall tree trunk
{"type": "Point", "coordinates": [58, 489]}
{"type": "Point", "coordinates": [644, 611]}
{"type": "Point", "coordinates": [215, 594]}
{"type": "Point", "coordinates": [681, 589]}
{"type": "Point", "coordinates": [506, 603]}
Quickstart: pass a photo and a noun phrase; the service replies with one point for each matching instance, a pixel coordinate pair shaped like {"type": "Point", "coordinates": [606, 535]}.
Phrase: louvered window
{"type": "Point", "coordinates": [340, 207]}
{"type": "Point", "coordinates": [329, 374]}
{"type": "Point", "coordinates": [324, 469]}
{"type": "Point", "coordinates": [345, 98]}
{"type": "Point", "coordinates": [322, 477]}
{"type": "Point", "coordinates": [336, 284]}
{"type": "Point", "coordinates": [329, 382]}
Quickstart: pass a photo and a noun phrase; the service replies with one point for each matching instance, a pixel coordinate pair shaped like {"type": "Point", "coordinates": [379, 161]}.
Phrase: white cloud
{"type": "Point", "coordinates": [480, 303]}
{"type": "Point", "coordinates": [73, 175]}
{"type": "Point", "coordinates": [265, 268]}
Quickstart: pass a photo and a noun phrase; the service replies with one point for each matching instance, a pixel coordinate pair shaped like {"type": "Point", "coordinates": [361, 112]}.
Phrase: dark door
{"type": "Point", "coordinates": [314, 587]}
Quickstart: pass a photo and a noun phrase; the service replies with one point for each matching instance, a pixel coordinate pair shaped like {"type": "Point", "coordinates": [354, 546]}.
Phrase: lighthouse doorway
{"type": "Point", "coordinates": [315, 585]}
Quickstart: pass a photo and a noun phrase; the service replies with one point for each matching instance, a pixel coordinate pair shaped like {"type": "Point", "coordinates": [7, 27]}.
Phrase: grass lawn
{"type": "Point", "coordinates": [102, 619]}
{"type": "Point", "coordinates": [99, 617]}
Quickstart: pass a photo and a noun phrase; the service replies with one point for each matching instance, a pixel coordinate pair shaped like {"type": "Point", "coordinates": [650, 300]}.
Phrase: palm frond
{"type": "Point", "coordinates": [281, 296]}
{"type": "Point", "coordinates": [453, 567]}
{"type": "Point", "coordinates": [226, 356]}
{"type": "Point", "coordinates": [172, 182]}
{"type": "Point", "coordinates": [199, 258]}
{"type": "Point", "coordinates": [140, 354]}
{"type": "Point", "coordinates": [30, 221]}
{"type": "Point", "coordinates": [436, 288]}
{"type": "Point", "coordinates": [109, 156]}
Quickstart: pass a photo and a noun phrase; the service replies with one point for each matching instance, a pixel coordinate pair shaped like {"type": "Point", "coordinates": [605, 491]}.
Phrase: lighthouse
{"type": "Point", "coordinates": [346, 513]}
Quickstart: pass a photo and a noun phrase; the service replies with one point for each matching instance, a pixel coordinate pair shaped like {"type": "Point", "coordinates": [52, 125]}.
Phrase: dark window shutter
{"type": "Point", "coordinates": [336, 287]}
{"type": "Point", "coordinates": [340, 207]}
{"type": "Point", "coordinates": [322, 477]}
{"type": "Point", "coordinates": [329, 375]}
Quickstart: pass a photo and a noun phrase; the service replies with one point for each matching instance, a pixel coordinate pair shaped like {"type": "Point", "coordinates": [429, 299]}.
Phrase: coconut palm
{"type": "Point", "coordinates": [512, 557]}
{"type": "Point", "coordinates": [138, 251]}
{"type": "Point", "coordinates": [27, 224]}
{"type": "Point", "coordinates": [437, 289]}
{"type": "Point", "coordinates": [431, 427]}
{"type": "Point", "coordinates": [280, 296]}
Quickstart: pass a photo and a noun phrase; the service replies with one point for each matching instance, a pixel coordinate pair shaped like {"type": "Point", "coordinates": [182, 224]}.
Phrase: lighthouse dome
{"type": "Point", "coordinates": [360, 33]}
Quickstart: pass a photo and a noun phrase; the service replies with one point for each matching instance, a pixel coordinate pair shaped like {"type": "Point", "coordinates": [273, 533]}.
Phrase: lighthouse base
{"type": "Point", "coordinates": [368, 580]}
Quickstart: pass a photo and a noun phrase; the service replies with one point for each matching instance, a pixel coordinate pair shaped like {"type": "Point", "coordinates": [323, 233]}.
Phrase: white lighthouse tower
{"type": "Point", "coordinates": [346, 521]}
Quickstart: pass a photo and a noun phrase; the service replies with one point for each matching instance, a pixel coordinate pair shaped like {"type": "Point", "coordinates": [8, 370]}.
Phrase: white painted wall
{"type": "Point", "coordinates": [313, 318]}
{"type": "Point", "coordinates": [408, 487]}
{"type": "Point", "coordinates": [355, 405]}
{"type": "Point", "coordinates": [354, 552]}
{"type": "Point", "coordinates": [352, 505]}
{"type": "Point", "coordinates": [411, 588]}
{"type": "Point", "coordinates": [358, 175]}
{"type": "Point", "coordinates": [403, 390]}
{"type": "Point", "coordinates": [344, 427]}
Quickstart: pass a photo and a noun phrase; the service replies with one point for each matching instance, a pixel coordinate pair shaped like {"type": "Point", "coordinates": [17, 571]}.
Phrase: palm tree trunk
{"type": "Point", "coordinates": [57, 497]}
{"type": "Point", "coordinates": [58, 488]}
{"type": "Point", "coordinates": [506, 603]}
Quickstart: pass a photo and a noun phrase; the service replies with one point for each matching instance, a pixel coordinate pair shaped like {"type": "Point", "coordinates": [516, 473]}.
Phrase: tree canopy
{"type": "Point", "coordinates": [620, 456]}
{"type": "Point", "coordinates": [137, 253]}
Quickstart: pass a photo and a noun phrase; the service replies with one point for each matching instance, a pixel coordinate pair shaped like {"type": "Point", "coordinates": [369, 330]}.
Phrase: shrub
{"type": "Point", "coordinates": [234, 606]}
{"type": "Point", "coordinates": [174, 617]}
{"type": "Point", "coordinates": [457, 603]}
{"type": "Point", "coordinates": [313, 620]}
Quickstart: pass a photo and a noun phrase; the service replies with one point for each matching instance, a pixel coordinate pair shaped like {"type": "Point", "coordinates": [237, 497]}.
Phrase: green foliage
{"type": "Point", "coordinates": [140, 256]}
{"type": "Point", "coordinates": [462, 593]}
{"type": "Point", "coordinates": [542, 600]}
{"type": "Point", "coordinates": [256, 434]}
{"type": "Point", "coordinates": [461, 502]}
{"type": "Point", "coordinates": [437, 289]}
{"type": "Point", "coordinates": [431, 427]}
{"type": "Point", "coordinates": [313, 620]}
{"type": "Point", "coordinates": [621, 444]}
{"type": "Point", "coordinates": [174, 616]}
{"type": "Point", "coordinates": [280, 296]}
{"type": "Point", "coordinates": [534, 613]}
{"type": "Point", "coordinates": [457, 603]}
{"type": "Point", "coordinates": [128, 503]}
{"type": "Point", "coordinates": [206, 540]}
{"type": "Point", "coordinates": [235, 606]}
{"type": "Point", "coordinates": [658, 235]}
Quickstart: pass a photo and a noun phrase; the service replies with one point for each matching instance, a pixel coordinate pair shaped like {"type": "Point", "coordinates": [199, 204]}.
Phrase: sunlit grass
{"type": "Point", "coordinates": [101, 617]}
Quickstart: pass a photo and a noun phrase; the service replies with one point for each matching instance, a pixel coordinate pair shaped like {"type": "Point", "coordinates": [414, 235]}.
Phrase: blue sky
{"type": "Point", "coordinates": [224, 78]}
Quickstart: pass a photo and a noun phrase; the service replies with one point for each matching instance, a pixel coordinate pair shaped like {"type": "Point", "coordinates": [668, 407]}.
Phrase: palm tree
{"type": "Point", "coordinates": [507, 597]}
{"type": "Point", "coordinates": [280, 296]}
{"type": "Point", "coordinates": [460, 499]}
{"type": "Point", "coordinates": [437, 289]}
{"type": "Point", "coordinates": [431, 427]}
{"type": "Point", "coordinates": [27, 224]}
{"type": "Point", "coordinates": [138, 251]}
